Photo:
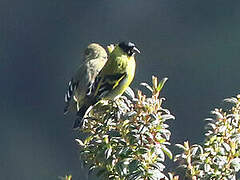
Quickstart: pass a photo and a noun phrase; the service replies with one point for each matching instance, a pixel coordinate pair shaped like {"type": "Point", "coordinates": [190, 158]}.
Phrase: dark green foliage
{"type": "Point", "coordinates": [218, 157]}
{"type": "Point", "coordinates": [128, 138]}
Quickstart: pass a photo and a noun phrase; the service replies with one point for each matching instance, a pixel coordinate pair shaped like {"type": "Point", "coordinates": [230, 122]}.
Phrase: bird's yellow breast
{"type": "Point", "coordinates": [123, 65]}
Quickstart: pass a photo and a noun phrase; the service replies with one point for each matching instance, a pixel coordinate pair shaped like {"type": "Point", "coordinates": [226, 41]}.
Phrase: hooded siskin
{"type": "Point", "coordinates": [113, 79]}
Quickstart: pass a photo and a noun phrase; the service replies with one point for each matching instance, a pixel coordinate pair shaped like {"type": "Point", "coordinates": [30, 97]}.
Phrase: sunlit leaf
{"type": "Point", "coordinates": [108, 153]}
{"type": "Point", "coordinates": [123, 138]}
{"type": "Point", "coordinates": [167, 117]}
{"type": "Point", "coordinates": [231, 100]}
{"type": "Point", "coordinates": [161, 84]}
{"type": "Point", "coordinates": [180, 146]}
{"type": "Point", "coordinates": [80, 142]}
{"type": "Point", "coordinates": [147, 86]}
{"type": "Point", "coordinates": [130, 93]}
{"type": "Point", "coordinates": [167, 152]}
{"type": "Point", "coordinates": [158, 166]}
{"type": "Point", "coordinates": [235, 163]}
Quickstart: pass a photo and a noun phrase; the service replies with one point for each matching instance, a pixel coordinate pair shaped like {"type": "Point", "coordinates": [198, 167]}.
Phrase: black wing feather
{"type": "Point", "coordinates": [72, 86]}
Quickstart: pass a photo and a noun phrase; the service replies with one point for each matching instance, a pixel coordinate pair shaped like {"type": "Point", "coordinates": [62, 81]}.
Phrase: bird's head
{"type": "Point", "coordinates": [94, 51]}
{"type": "Point", "coordinates": [129, 48]}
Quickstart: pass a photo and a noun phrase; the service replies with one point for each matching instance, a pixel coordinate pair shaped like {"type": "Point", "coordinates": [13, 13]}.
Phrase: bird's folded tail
{"type": "Point", "coordinates": [80, 117]}
{"type": "Point", "coordinates": [69, 94]}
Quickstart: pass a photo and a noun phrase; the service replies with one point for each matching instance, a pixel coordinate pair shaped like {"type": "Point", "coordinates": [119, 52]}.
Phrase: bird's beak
{"type": "Point", "coordinates": [135, 49]}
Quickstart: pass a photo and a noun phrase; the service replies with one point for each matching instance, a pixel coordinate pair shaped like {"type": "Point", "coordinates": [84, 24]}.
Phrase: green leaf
{"type": "Point", "coordinates": [198, 149]}
{"type": "Point", "coordinates": [80, 142]}
{"type": "Point", "coordinates": [88, 139]}
{"type": "Point", "coordinates": [158, 166]}
{"type": "Point", "coordinates": [133, 165]}
{"type": "Point", "coordinates": [226, 147]}
{"type": "Point", "coordinates": [119, 168]}
{"type": "Point", "coordinates": [142, 150]}
{"type": "Point", "coordinates": [147, 86]}
{"type": "Point", "coordinates": [231, 100]}
{"type": "Point", "coordinates": [166, 133]}
{"type": "Point", "coordinates": [161, 84]}
{"type": "Point", "coordinates": [92, 168]}
{"type": "Point", "coordinates": [129, 92]}
{"type": "Point", "coordinates": [136, 175]}
{"type": "Point", "coordinates": [236, 164]}
{"type": "Point", "coordinates": [108, 153]}
{"type": "Point", "coordinates": [207, 168]}
{"type": "Point", "coordinates": [157, 175]}
{"type": "Point", "coordinates": [236, 138]}
{"type": "Point", "coordinates": [124, 152]}
{"type": "Point", "coordinates": [170, 176]}
{"type": "Point", "coordinates": [167, 152]}
{"type": "Point", "coordinates": [218, 114]}
{"type": "Point", "coordinates": [210, 126]}
{"type": "Point", "coordinates": [167, 117]}
{"type": "Point", "coordinates": [161, 155]}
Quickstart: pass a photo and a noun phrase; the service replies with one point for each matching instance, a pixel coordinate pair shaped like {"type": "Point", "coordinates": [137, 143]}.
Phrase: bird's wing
{"type": "Point", "coordinates": [77, 88]}
{"type": "Point", "coordinates": [72, 85]}
{"type": "Point", "coordinates": [107, 83]}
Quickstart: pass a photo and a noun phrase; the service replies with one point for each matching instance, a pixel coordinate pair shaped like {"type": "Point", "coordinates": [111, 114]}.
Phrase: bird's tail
{"type": "Point", "coordinates": [69, 95]}
{"type": "Point", "coordinates": [80, 117]}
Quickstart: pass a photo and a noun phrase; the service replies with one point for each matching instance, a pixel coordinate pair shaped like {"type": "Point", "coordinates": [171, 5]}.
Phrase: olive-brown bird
{"type": "Point", "coordinates": [94, 59]}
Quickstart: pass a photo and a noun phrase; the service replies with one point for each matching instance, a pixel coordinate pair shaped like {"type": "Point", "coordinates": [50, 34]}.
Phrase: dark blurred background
{"type": "Point", "coordinates": [194, 43]}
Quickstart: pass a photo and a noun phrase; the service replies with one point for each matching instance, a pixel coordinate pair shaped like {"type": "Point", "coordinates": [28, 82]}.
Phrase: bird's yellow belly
{"type": "Point", "coordinates": [123, 84]}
